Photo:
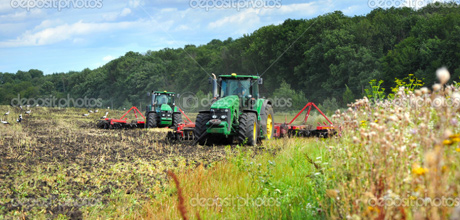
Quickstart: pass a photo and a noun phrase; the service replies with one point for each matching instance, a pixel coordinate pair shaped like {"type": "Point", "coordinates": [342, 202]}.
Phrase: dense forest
{"type": "Point", "coordinates": [327, 59]}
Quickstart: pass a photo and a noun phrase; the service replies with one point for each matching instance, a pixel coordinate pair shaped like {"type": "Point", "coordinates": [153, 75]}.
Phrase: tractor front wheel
{"type": "Point", "coordinates": [247, 131]}
{"type": "Point", "coordinates": [152, 120]}
{"type": "Point", "coordinates": [200, 126]}
{"type": "Point", "coordinates": [177, 118]}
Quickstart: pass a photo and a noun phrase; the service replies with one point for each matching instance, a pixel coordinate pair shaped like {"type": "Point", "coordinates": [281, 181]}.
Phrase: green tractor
{"type": "Point", "coordinates": [162, 112]}
{"type": "Point", "coordinates": [237, 112]}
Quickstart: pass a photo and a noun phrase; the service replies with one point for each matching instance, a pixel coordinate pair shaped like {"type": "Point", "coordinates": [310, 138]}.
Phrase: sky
{"type": "Point", "coordinates": [71, 35]}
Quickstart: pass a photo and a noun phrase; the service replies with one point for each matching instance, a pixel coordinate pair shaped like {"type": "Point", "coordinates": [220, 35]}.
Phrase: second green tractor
{"type": "Point", "coordinates": [162, 111]}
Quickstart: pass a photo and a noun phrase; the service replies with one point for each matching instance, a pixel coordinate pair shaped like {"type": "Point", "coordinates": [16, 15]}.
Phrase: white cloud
{"type": "Point", "coordinates": [48, 23]}
{"type": "Point", "coordinates": [241, 22]}
{"type": "Point", "coordinates": [61, 33]}
{"type": "Point", "coordinates": [108, 58]}
{"type": "Point", "coordinates": [183, 28]}
{"type": "Point", "coordinates": [126, 11]}
{"type": "Point", "coordinates": [5, 6]}
{"type": "Point", "coordinates": [135, 3]}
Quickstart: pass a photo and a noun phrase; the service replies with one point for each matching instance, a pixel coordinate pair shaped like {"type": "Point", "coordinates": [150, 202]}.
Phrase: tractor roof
{"type": "Point", "coordinates": [234, 75]}
{"type": "Point", "coordinates": [163, 92]}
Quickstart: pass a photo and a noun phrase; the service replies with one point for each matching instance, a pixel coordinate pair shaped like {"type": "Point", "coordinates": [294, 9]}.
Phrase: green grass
{"type": "Point", "coordinates": [284, 185]}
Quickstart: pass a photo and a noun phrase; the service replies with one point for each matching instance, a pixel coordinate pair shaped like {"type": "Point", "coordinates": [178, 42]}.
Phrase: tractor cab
{"type": "Point", "coordinates": [237, 112]}
{"type": "Point", "coordinates": [244, 86]}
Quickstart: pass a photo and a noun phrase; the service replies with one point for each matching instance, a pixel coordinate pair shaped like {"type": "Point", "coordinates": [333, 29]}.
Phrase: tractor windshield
{"type": "Point", "coordinates": [239, 87]}
{"type": "Point", "coordinates": [163, 99]}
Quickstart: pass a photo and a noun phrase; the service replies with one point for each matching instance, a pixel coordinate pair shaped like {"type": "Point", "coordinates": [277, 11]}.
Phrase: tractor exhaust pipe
{"type": "Point", "coordinates": [214, 86]}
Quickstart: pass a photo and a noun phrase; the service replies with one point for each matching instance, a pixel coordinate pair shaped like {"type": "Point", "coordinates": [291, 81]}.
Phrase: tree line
{"type": "Point", "coordinates": [329, 59]}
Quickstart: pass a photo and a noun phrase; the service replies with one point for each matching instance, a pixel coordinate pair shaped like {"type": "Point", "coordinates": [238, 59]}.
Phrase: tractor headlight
{"type": "Point", "coordinates": [226, 110]}
{"type": "Point", "coordinates": [223, 117]}
{"type": "Point", "coordinates": [214, 116]}
{"type": "Point", "coordinates": [169, 115]}
{"type": "Point", "coordinates": [162, 115]}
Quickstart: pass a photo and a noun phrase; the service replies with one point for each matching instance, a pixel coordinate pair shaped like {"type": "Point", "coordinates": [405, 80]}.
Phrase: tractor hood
{"type": "Point", "coordinates": [226, 102]}
{"type": "Point", "coordinates": [165, 107]}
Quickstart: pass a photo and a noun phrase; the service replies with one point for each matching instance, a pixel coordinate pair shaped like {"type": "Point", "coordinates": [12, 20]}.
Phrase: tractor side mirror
{"type": "Point", "coordinates": [260, 81]}
{"type": "Point", "coordinates": [210, 80]}
{"type": "Point", "coordinates": [148, 93]}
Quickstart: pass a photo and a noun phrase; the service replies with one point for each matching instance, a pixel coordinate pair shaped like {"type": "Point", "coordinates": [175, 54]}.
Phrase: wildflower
{"type": "Point", "coordinates": [458, 149]}
{"type": "Point", "coordinates": [443, 75]}
{"type": "Point", "coordinates": [333, 193]}
{"type": "Point", "coordinates": [447, 133]}
{"type": "Point", "coordinates": [419, 171]}
{"type": "Point", "coordinates": [393, 118]}
{"type": "Point", "coordinates": [355, 140]}
{"type": "Point", "coordinates": [447, 142]}
{"type": "Point", "coordinates": [424, 90]}
{"type": "Point", "coordinates": [436, 87]}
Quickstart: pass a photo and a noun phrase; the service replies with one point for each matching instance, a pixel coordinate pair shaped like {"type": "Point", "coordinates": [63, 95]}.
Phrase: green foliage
{"type": "Point", "coordinates": [286, 95]}
{"type": "Point", "coordinates": [348, 96]}
{"type": "Point", "coordinates": [321, 57]}
{"type": "Point", "coordinates": [375, 91]}
{"type": "Point", "coordinates": [329, 106]}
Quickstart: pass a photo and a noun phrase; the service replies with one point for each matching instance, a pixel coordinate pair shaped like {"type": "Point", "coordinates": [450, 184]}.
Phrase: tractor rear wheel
{"type": "Point", "coordinates": [247, 130]}
{"type": "Point", "coordinates": [269, 121]}
{"type": "Point", "coordinates": [177, 118]}
{"type": "Point", "coordinates": [152, 120]}
{"type": "Point", "coordinates": [200, 126]}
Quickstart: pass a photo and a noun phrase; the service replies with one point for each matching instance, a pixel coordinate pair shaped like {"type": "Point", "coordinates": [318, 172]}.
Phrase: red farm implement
{"type": "Point", "coordinates": [322, 130]}
{"type": "Point", "coordinates": [109, 123]}
{"type": "Point", "coordinates": [184, 131]}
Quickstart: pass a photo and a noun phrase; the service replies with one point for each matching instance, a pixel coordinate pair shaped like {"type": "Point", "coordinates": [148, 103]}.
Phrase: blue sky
{"type": "Point", "coordinates": [66, 39]}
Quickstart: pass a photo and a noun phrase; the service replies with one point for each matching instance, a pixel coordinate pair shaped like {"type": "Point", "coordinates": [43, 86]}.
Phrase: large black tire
{"type": "Point", "coordinates": [247, 130]}
{"type": "Point", "coordinates": [177, 118]}
{"type": "Point", "coordinates": [152, 120]}
{"type": "Point", "coordinates": [200, 126]}
{"type": "Point", "coordinates": [268, 120]}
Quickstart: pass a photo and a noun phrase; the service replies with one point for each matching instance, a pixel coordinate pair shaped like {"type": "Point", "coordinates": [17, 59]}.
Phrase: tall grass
{"type": "Point", "coordinates": [253, 184]}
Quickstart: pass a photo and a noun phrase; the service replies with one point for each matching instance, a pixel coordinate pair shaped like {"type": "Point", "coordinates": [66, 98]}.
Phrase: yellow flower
{"type": "Point", "coordinates": [454, 136]}
{"type": "Point", "coordinates": [447, 142]}
{"type": "Point", "coordinates": [419, 171]}
{"type": "Point", "coordinates": [456, 139]}
{"type": "Point", "coordinates": [458, 149]}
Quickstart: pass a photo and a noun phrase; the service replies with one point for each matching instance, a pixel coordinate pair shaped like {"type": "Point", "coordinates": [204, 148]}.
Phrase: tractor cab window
{"type": "Point", "coordinates": [235, 87]}
{"type": "Point", "coordinates": [163, 99]}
